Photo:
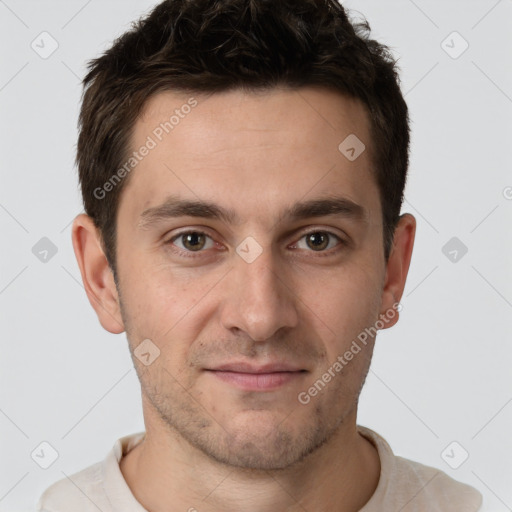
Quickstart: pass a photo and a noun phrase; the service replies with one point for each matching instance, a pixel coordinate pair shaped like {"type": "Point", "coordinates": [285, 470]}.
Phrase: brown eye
{"type": "Point", "coordinates": [317, 241]}
{"type": "Point", "coordinates": [192, 241]}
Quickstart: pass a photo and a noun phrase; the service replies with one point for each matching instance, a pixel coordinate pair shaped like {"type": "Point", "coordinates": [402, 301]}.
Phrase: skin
{"type": "Point", "coordinates": [211, 445]}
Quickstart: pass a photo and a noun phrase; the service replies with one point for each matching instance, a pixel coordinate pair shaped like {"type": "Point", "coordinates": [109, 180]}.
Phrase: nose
{"type": "Point", "coordinates": [259, 301]}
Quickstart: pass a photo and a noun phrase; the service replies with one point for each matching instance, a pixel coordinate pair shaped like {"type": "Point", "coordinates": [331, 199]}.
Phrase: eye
{"type": "Point", "coordinates": [318, 241]}
{"type": "Point", "coordinates": [192, 241]}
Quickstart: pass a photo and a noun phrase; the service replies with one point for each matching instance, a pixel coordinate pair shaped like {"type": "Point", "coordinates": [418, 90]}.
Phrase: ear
{"type": "Point", "coordinates": [96, 273]}
{"type": "Point", "coordinates": [397, 267]}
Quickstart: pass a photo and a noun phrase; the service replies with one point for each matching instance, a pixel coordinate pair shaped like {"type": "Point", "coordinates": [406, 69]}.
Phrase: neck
{"type": "Point", "coordinates": [165, 469]}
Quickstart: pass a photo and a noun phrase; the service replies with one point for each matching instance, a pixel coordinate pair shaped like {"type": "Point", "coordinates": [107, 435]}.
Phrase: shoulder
{"type": "Point", "coordinates": [100, 486]}
{"type": "Point", "coordinates": [410, 486]}
{"type": "Point", "coordinates": [80, 492]}
{"type": "Point", "coordinates": [431, 489]}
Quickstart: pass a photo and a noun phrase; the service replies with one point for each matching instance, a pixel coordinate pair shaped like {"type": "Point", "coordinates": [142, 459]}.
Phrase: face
{"type": "Point", "coordinates": [250, 254]}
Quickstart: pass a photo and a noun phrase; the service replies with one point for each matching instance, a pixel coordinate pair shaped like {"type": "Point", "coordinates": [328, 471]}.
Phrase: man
{"type": "Point", "coordinates": [242, 164]}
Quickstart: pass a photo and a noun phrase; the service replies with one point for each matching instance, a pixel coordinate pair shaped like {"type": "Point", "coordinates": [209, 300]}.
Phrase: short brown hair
{"type": "Point", "coordinates": [210, 46]}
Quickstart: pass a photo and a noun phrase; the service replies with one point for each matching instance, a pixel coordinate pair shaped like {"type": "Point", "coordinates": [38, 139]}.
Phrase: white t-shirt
{"type": "Point", "coordinates": [404, 486]}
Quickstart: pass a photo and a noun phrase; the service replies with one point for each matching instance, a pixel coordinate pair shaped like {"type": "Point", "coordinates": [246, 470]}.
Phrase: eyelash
{"type": "Point", "coordinates": [195, 254]}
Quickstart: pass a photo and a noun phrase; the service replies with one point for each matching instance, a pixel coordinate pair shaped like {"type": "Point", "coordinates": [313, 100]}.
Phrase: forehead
{"type": "Point", "coordinates": [249, 149]}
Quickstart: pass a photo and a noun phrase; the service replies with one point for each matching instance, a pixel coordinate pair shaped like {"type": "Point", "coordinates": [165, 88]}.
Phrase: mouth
{"type": "Point", "coordinates": [249, 377]}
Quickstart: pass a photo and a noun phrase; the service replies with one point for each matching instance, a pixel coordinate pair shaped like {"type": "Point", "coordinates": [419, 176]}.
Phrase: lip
{"type": "Point", "coordinates": [242, 367]}
{"type": "Point", "coordinates": [250, 377]}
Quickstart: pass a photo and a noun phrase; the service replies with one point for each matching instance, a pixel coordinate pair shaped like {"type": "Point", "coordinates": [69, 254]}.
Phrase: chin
{"type": "Point", "coordinates": [260, 444]}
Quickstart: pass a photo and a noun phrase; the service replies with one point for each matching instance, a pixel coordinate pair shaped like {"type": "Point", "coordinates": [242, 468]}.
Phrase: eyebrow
{"type": "Point", "coordinates": [174, 207]}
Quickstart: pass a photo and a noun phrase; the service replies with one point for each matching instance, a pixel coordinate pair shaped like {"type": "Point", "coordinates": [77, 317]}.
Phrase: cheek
{"type": "Point", "coordinates": [343, 307]}
{"type": "Point", "coordinates": [165, 307]}
{"type": "Point", "coordinates": [344, 296]}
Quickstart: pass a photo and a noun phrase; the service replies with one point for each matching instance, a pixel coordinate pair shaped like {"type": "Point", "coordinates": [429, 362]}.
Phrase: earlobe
{"type": "Point", "coordinates": [96, 274]}
{"type": "Point", "coordinates": [397, 267]}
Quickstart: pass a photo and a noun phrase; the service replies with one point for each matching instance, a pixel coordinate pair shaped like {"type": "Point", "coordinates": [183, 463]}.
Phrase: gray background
{"type": "Point", "coordinates": [441, 375]}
